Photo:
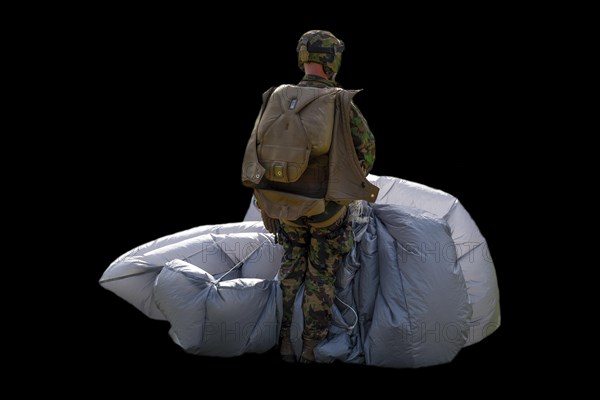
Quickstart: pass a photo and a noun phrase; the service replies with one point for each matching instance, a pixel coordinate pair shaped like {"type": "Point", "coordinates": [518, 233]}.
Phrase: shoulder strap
{"type": "Point", "coordinates": [252, 171]}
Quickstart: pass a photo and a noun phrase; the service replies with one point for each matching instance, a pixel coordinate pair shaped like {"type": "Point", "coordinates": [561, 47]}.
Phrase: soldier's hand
{"type": "Point", "coordinates": [271, 224]}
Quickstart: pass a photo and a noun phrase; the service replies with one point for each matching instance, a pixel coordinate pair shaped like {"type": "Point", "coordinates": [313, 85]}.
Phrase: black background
{"type": "Point", "coordinates": [170, 104]}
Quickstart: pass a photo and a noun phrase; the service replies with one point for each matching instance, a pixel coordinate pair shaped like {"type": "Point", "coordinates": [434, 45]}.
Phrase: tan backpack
{"type": "Point", "coordinates": [297, 124]}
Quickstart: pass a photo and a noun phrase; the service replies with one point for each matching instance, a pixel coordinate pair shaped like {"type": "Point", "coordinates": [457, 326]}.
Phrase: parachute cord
{"type": "Point", "coordinates": [241, 262]}
{"type": "Point", "coordinates": [353, 311]}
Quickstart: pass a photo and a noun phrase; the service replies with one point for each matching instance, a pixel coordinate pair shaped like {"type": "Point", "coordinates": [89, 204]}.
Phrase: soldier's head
{"type": "Point", "coordinates": [323, 48]}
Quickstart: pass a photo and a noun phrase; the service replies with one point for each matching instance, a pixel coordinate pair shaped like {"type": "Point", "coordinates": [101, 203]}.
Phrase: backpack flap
{"type": "Point", "coordinates": [297, 124]}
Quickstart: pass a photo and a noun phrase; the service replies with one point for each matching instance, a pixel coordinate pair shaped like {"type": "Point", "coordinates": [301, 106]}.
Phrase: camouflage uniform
{"type": "Point", "coordinates": [315, 247]}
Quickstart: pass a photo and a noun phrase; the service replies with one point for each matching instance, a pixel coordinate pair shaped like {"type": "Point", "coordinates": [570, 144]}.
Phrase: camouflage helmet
{"type": "Point", "coordinates": [320, 47]}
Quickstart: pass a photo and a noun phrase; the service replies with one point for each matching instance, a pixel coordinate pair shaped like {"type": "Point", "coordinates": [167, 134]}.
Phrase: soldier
{"type": "Point", "coordinates": [307, 159]}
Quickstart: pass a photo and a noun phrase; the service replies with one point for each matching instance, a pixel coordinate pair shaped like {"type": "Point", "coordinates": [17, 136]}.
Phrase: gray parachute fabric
{"type": "Point", "coordinates": [418, 286]}
{"type": "Point", "coordinates": [132, 275]}
{"type": "Point", "coordinates": [471, 247]}
{"type": "Point", "coordinates": [205, 314]}
{"type": "Point", "coordinates": [426, 322]}
{"type": "Point", "coordinates": [400, 302]}
{"type": "Point", "coordinates": [216, 289]}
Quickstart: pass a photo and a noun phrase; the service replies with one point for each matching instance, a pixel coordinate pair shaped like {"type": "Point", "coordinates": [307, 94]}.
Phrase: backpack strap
{"type": "Point", "coordinates": [252, 171]}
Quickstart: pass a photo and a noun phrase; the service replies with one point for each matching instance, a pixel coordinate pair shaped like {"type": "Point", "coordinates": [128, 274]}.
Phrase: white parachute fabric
{"type": "Point", "coordinates": [214, 284]}
{"type": "Point", "coordinates": [417, 287]}
{"type": "Point", "coordinates": [471, 247]}
{"type": "Point", "coordinates": [132, 275]}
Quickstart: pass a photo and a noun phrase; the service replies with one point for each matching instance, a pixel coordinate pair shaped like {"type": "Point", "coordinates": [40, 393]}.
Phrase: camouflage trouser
{"type": "Point", "coordinates": [325, 248]}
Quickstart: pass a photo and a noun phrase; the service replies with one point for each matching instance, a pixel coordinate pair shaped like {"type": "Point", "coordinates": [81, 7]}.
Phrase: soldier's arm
{"type": "Point", "coordinates": [364, 141]}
